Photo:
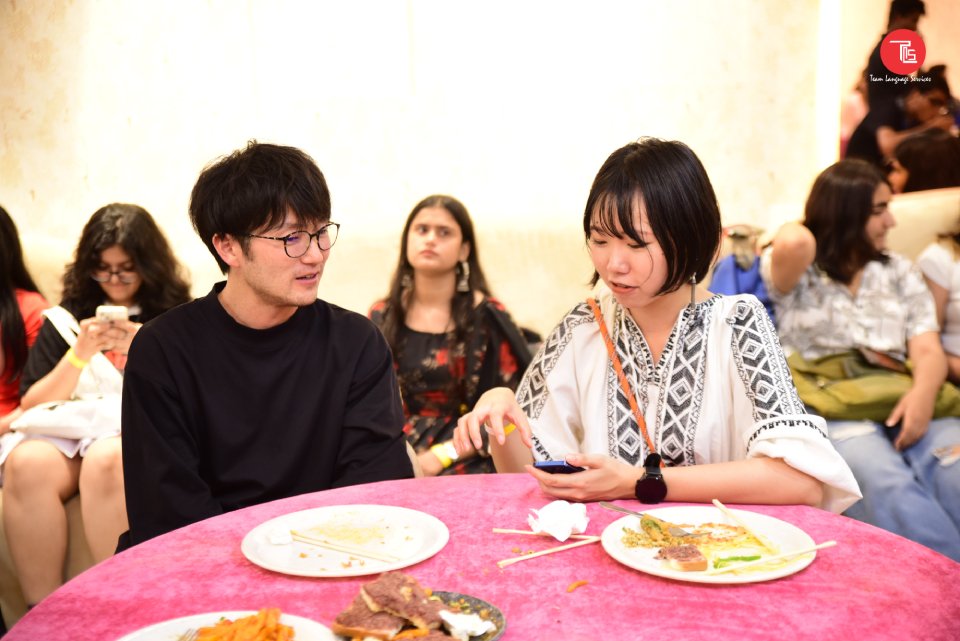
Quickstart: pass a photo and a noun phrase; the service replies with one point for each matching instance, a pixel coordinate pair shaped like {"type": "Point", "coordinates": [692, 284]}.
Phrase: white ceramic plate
{"type": "Point", "coordinates": [306, 630]}
{"type": "Point", "coordinates": [405, 536]}
{"type": "Point", "coordinates": [785, 536]}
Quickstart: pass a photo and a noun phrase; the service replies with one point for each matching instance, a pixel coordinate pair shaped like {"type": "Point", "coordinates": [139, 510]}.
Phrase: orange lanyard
{"type": "Point", "coordinates": [624, 383]}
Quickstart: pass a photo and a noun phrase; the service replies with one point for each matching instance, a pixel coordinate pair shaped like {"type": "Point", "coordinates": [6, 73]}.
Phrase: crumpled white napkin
{"type": "Point", "coordinates": [559, 519]}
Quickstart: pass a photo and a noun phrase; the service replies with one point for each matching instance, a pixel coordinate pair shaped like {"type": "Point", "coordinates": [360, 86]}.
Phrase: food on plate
{"type": "Point", "coordinates": [401, 595]}
{"type": "Point", "coordinates": [709, 545]}
{"type": "Point", "coordinates": [737, 558]}
{"type": "Point", "coordinates": [395, 607]}
{"type": "Point", "coordinates": [685, 558]}
{"type": "Point", "coordinates": [657, 530]}
{"type": "Point", "coordinates": [709, 537]}
{"type": "Point", "coordinates": [359, 620]}
{"type": "Point", "coordinates": [263, 626]}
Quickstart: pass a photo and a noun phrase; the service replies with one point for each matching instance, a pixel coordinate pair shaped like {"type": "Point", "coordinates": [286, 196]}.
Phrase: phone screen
{"type": "Point", "coordinates": [108, 313]}
{"type": "Point", "coordinates": [557, 467]}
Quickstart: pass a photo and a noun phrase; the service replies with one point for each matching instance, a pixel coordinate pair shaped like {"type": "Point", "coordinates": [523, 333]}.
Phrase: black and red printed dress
{"type": "Point", "coordinates": [439, 383]}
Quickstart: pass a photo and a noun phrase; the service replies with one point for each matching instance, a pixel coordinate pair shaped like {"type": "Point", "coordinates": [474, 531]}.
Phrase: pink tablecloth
{"type": "Point", "coordinates": [872, 585]}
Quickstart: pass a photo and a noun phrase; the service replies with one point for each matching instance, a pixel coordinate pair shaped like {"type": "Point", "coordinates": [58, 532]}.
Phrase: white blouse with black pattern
{"type": "Point", "coordinates": [721, 391]}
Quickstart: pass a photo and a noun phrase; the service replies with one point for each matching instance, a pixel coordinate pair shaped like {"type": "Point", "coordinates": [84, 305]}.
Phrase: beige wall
{"type": "Point", "coordinates": [510, 106]}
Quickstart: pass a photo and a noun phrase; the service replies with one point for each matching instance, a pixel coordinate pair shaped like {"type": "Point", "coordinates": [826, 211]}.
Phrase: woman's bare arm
{"type": "Point", "coordinates": [794, 250]}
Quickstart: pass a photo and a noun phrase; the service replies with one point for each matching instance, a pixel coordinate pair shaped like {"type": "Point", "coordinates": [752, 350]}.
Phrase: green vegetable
{"type": "Point", "coordinates": [653, 527]}
{"type": "Point", "coordinates": [727, 560]}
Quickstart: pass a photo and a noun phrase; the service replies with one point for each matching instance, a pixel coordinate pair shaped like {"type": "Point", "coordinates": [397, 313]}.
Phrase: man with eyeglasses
{"type": "Point", "coordinates": [259, 390]}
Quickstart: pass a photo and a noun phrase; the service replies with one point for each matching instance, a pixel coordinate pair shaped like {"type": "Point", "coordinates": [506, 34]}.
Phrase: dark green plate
{"type": "Point", "coordinates": [476, 605]}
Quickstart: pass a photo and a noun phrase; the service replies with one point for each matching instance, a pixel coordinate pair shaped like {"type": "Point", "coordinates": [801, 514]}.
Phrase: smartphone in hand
{"type": "Point", "coordinates": [111, 313]}
{"type": "Point", "coordinates": [558, 467]}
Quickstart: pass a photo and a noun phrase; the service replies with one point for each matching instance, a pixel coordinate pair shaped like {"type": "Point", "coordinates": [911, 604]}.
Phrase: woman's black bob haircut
{"type": "Point", "coordinates": [672, 185]}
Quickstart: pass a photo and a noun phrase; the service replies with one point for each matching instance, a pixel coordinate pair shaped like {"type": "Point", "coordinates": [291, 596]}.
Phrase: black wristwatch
{"type": "Point", "coordinates": [651, 487]}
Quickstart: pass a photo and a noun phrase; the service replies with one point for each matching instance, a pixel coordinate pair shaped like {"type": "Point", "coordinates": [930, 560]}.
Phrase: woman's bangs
{"type": "Point", "coordinates": [613, 216]}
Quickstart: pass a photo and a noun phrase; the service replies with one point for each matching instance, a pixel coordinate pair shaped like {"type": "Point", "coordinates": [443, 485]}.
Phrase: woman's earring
{"type": "Point", "coordinates": [406, 282]}
{"type": "Point", "coordinates": [693, 289]}
{"type": "Point", "coordinates": [463, 285]}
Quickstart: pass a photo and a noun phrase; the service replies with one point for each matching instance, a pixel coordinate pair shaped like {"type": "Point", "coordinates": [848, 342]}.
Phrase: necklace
{"type": "Point", "coordinates": [624, 383]}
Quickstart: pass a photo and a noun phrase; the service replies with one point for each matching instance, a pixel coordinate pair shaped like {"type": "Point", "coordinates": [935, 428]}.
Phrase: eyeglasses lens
{"type": "Point", "coordinates": [297, 243]}
{"type": "Point", "coordinates": [104, 276]}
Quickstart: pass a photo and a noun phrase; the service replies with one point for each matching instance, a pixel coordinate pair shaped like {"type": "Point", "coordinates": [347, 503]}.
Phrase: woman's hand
{"type": "Point", "coordinates": [122, 332]}
{"type": "Point", "coordinates": [604, 479]}
{"type": "Point", "coordinates": [495, 409]}
{"type": "Point", "coordinates": [913, 412]}
{"type": "Point", "coordinates": [95, 336]}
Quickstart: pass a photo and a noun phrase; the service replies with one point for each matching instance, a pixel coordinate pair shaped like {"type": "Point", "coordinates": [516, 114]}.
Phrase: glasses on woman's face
{"type": "Point", "coordinates": [297, 243]}
{"type": "Point", "coordinates": [125, 276]}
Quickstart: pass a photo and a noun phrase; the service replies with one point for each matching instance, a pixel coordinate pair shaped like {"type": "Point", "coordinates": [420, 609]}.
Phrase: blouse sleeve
{"type": "Point", "coordinates": [917, 300]}
{"type": "Point", "coordinates": [768, 414]}
{"type": "Point", "coordinates": [46, 352]}
{"type": "Point", "coordinates": [936, 263]}
{"type": "Point", "coordinates": [549, 391]}
{"type": "Point", "coordinates": [31, 307]}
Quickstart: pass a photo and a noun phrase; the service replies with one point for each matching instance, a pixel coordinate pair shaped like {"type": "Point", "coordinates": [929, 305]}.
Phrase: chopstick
{"type": "Point", "coordinates": [337, 547]}
{"type": "Point", "coordinates": [500, 530]}
{"type": "Point", "coordinates": [764, 541]}
{"type": "Point", "coordinates": [776, 557]}
{"type": "Point", "coordinates": [516, 559]}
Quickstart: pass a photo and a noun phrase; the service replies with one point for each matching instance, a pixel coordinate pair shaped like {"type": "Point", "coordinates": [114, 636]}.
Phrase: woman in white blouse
{"type": "Point", "coordinates": [704, 387]}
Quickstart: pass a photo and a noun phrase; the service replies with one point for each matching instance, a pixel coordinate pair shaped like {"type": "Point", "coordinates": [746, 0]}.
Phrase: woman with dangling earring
{"type": "Point", "coordinates": [451, 339]}
{"type": "Point", "coordinates": [653, 387]}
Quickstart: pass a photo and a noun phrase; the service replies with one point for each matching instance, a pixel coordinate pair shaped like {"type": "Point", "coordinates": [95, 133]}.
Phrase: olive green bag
{"type": "Point", "coordinates": [845, 386]}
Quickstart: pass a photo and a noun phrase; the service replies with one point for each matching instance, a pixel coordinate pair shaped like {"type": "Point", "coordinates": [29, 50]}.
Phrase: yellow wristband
{"type": "Point", "coordinates": [442, 452]}
{"type": "Point", "coordinates": [508, 429]}
{"type": "Point", "coordinates": [75, 360]}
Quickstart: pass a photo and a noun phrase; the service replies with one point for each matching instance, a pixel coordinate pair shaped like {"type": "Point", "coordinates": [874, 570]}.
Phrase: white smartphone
{"type": "Point", "coordinates": [112, 313]}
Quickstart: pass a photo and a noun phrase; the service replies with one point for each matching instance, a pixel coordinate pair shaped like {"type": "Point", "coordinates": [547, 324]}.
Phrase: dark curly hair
{"type": "Point", "coordinates": [163, 285]}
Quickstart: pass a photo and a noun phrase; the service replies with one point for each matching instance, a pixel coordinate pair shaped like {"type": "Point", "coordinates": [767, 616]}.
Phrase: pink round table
{"type": "Point", "coordinates": [872, 585]}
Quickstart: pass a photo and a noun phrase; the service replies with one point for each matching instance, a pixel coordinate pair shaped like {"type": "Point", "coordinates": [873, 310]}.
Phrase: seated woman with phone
{"type": "Point", "coordinates": [124, 273]}
{"type": "Point", "coordinates": [658, 389]}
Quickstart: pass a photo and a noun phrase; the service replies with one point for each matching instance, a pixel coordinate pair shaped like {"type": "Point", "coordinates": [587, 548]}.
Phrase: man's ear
{"type": "Point", "coordinates": [464, 250]}
{"type": "Point", "coordinates": [228, 248]}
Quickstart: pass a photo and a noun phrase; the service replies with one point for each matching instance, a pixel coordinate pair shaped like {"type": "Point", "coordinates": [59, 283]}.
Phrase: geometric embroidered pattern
{"type": "Point", "coordinates": [533, 394]}
{"type": "Point", "coordinates": [764, 371]}
{"type": "Point", "coordinates": [677, 379]}
{"type": "Point", "coordinates": [676, 382]}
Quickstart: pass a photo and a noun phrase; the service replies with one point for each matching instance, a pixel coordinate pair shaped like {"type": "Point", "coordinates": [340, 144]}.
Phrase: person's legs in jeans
{"type": "Point", "coordinates": [893, 498]}
{"type": "Point", "coordinates": [939, 474]}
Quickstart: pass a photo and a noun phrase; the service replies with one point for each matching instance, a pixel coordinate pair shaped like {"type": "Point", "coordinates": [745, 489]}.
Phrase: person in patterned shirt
{"type": "Point", "coordinates": [837, 288]}
{"type": "Point", "coordinates": [656, 368]}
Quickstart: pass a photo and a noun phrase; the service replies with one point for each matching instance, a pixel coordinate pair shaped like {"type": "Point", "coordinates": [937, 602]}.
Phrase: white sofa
{"type": "Point", "coordinates": [539, 274]}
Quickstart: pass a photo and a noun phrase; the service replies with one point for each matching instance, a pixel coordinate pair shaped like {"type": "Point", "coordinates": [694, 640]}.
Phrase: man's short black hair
{"type": "Point", "coordinates": [679, 200]}
{"type": "Point", "coordinates": [904, 8]}
{"type": "Point", "coordinates": [252, 190]}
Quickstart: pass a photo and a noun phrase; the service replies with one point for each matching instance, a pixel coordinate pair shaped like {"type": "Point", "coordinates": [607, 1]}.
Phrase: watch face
{"type": "Point", "coordinates": [651, 489]}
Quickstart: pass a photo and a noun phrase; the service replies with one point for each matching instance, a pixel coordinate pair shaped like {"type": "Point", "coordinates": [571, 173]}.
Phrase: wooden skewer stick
{"type": "Point", "coordinates": [504, 563]}
{"type": "Point", "coordinates": [764, 541]}
{"type": "Point", "coordinates": [346, 549]}
{"type": "Point", "coordinates": [768, 559]}
{"type": "Point", "coordinates": [500, 530]}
